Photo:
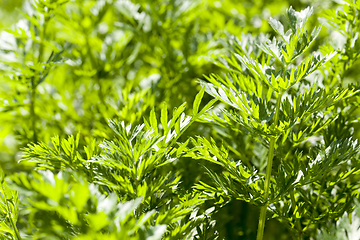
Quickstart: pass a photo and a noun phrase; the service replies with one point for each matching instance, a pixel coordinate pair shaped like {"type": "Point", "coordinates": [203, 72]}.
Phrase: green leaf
{"type": "Point", "coordinates": [153, 121]}
{"type": "Point", "coordinates": [197, 101]}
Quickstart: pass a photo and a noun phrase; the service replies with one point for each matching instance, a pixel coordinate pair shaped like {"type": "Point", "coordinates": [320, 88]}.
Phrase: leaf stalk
{"type": "Point", "coordinates": [9, 215]}
{"type": "Point", "coordinates": [262, 219]}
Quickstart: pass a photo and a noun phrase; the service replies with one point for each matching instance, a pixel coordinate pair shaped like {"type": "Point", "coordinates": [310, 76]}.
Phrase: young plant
{"type": "Point", "coordinates": [134, 163]}
{"type": "Point", "coordinates": [26, 66]}
{"type": "Point", "coordinates": [289, 113]}
{"type": "Point", "coordinates": [272, 96]}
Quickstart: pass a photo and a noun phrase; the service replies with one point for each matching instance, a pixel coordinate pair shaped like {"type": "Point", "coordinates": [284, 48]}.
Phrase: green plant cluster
{"type": "Point", "coordinates": [179, 119]}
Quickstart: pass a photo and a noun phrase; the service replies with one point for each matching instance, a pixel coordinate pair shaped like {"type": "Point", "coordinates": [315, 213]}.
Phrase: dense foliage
{"type": "Point", "coordinates": [180, 119]}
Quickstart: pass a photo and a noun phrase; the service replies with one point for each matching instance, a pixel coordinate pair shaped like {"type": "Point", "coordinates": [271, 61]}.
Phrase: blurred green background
{"type": "Point", "coordinates": [8, 13]}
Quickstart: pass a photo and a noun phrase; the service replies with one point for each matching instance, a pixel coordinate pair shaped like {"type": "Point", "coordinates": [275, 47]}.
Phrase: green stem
{"type": "Point", "coordinates": [261, 227]}
{"type": "Point", "coordinates": [41, 48]}
{"type": "Point", "coordinates": [297, 222]}
{"type": "Point", "coordinates": [32, 108]}
{"type": "Point", "coordinates": [315, 206]}
{"type": "Point", "coordinates": [34, 84]}
{"type": "Point", "coordinates": [13, 225]}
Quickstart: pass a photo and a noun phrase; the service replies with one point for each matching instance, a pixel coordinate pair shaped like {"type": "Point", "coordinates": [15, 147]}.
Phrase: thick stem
{"type": "Point", "coordinates": [262, 219]}
{"type": "Point", "coordinates": [261, 228]}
